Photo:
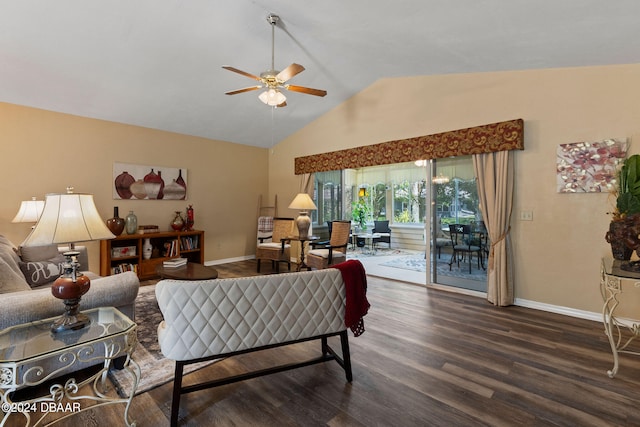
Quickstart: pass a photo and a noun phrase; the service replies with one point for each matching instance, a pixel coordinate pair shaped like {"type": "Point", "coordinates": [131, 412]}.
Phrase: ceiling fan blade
{"type": "Point", "coordinates": [307, 90]}
{"type": "Point", "coordinates": [284, 104]}
{"type": "Point", "coordinates": [244, 73]}
{"type": "Point", "coordinates": [244, 89]}
{"type": "Point", "coordinates": [289, 72]}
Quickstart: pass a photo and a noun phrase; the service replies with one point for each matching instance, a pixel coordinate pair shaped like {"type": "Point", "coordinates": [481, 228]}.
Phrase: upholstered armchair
{"type": "Point", "coordinates": [336, 251]}
{"type": "Point", "coordinates": [277, 250]}
{"type": "Point", "coordinates": [381, 228]}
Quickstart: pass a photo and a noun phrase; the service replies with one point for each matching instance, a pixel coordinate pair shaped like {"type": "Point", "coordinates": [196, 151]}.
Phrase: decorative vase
{"type": "Point", "coordinates": [180, 182]}
{"type": "Point", "coordinates": [138, 190]}
{"type": "Point", "coordinates": [152, 184]}
{"type": "Point", "coordinates": [147, 249]}
{"type": "Point", "coordinates": [178, 223]}
{"type": "Point", "coordinates": [123, 185]}
{"type": "Point", "coordinates": [116, 224]}
{"type": "Point", "coordinates": [615, 237]}
{"type": "Point", "coordinates": [161, 191]}
{"type": "Point", "coordinates": [174, 191]}
{"type": "Point", "coordinates": [189, 223]}
{"type": "Point", "coordinates": [131, 223]}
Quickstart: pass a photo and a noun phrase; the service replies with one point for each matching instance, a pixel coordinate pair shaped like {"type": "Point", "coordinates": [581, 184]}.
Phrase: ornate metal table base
{"type": "Point", "coordinates": [118, 339]}
{"type": "Point", "coordinates": [620, 332]}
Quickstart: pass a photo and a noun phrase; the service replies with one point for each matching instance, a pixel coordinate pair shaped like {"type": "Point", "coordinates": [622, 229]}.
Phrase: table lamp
{"type": "Point", "coordinates": [30, 211]}
{"type": "Point", "coordinates": [303, 202]}
{"type": "Point", "coordinates": [69, 218]}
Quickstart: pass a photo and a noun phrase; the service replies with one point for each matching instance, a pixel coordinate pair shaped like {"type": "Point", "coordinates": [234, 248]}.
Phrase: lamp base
{"type": "Point", "coordinates": [70, 287]}
{"type": "Point", "coordinates": [303, 222]}
{"type": "Point", "coordinates": [72, 319]}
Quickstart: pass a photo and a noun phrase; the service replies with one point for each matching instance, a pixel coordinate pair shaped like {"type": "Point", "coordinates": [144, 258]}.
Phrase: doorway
{"type": "Point", "coordinates": [420, 200]}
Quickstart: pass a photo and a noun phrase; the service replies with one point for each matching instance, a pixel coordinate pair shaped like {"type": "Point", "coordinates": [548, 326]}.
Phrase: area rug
{"type": "Point", "coordinates": [366, 252]}
{"type": "Point", "coordinates": [155, 370]}
{"type": "Point", "coordinates": [418, 263]}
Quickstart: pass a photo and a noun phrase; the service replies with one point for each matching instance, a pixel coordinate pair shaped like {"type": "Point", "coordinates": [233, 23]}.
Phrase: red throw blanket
{"type": "Point", "coordinates": [355, 280]}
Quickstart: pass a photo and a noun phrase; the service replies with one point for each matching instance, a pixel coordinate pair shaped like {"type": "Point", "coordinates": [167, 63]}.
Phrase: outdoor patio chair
{"type": "Point", "coordinates": [381, 228]}
{"type": "Point", "coordinates": [465, 243]}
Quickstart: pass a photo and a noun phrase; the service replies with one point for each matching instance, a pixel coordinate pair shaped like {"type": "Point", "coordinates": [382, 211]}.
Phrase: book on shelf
{"type": "Point", "coordinates": [146, 229]}
{"type": "Point", "coordinates": [170, 248]}
{"type": "Point", "coordinates": [188, 243]}
{"type": "Point", "coordinates": [124, 267]}
{"type": "Point", "coordinates": [176, 262]}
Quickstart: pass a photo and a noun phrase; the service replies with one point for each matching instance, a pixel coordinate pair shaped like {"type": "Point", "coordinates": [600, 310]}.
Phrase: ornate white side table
{"type": "Point", "coordinates": [31, 354]}
{"type": "Point", "coordinates": [621, 332]}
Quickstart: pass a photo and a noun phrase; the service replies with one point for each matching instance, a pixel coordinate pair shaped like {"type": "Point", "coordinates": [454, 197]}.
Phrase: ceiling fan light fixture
{"type": "Point", "coordinates": [272, 97]}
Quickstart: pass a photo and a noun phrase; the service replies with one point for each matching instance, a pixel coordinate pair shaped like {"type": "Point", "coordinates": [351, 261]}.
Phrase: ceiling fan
{"type": "Point", "coordinates": [274, 80]}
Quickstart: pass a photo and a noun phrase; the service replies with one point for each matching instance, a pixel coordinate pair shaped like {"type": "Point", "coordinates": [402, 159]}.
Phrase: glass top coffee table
{"type": "Point", "coordinates": [189, 271]}
{"type": "Point", "coordinates": [31, 354]}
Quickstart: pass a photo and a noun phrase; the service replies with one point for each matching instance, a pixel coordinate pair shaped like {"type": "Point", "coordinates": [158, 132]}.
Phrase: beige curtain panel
{"type": "Point", "coordinates": [495, 190]}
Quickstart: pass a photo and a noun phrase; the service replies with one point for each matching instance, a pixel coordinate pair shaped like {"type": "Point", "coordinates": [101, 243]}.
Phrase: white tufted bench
{"type": "Point", "coordinates": [210, 319]}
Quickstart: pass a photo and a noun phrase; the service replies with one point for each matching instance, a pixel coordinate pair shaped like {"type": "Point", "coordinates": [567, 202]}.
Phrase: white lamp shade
{"type": "Point", "coordinates": [272, 97]}
{"type": "Point", "coordinates": [303, 202]}
{"type": "Point", "coordinates": [68, 218]}
{"type": "Point", "coordinates": [30, 211]}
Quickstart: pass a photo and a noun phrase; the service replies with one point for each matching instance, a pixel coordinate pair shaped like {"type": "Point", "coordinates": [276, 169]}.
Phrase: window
{"type": "Point", "coordinates": [409, 201]}
{"type": "Point", "coordinates": [328, 197]}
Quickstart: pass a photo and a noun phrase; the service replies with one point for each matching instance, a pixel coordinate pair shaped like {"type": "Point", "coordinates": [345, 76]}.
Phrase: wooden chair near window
{"type": "Point", "coordinates": [465, 243]}
{"type": "Point", "coordinates": [333, 253]}
{"type": "Point", "coordinates": [277, 250]}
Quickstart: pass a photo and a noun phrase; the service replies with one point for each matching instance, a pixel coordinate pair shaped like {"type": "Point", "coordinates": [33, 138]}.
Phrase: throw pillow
{"type": "Point", "coordinates": [40, 273]}
{"type": "Point", "coordinates": [38, 253]}
{"type": "Point", "coordinates": [10, 278]}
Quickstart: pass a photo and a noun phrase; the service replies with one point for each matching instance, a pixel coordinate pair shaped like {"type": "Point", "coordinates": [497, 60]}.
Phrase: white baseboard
{"type": "Point", "coordinates": [566, 311]}
{"type": "Point", "coordinates": [227, 260]}
{"type": "Point", "coordinates": [581, 314]}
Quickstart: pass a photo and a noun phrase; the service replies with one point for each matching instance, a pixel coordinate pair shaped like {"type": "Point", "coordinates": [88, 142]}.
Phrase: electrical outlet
{"type": "Point", "coordinates": [526, 215]}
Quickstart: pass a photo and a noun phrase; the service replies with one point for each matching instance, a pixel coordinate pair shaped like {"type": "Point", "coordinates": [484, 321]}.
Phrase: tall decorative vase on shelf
{"type": "Point", "coordinates": [190, 221]}
{"type": "Point", "coordinates": [116, 224]}
{"type": "Point", "coordinates": [178, 223]}
{"type": "Point", "coordinates": [131, 223]}
{"type": "Point", "coordinates": [147, 249]}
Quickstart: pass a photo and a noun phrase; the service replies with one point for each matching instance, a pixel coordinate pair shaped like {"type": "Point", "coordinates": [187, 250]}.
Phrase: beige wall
{"type": "Point", "coordinates": [44, 152]}
{"type": "Point", "coordinates": [557, 254]}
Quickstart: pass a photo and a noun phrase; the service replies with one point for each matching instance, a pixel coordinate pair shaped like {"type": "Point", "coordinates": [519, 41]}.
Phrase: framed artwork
{"type": "Point", "coordinates": [141, 182]}
{"type": "Point", "coordinates": [589, 167]}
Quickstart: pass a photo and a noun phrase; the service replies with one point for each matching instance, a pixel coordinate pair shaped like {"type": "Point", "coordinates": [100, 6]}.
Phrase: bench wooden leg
{"type": "Point", "coordinates": [177, 389]}
{"type": "Point", "coordinates": [346, 355]}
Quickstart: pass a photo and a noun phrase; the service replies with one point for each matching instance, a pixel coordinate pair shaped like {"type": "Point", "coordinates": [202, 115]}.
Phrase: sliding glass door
{"type": "Point", "coordinates": [457, 220]}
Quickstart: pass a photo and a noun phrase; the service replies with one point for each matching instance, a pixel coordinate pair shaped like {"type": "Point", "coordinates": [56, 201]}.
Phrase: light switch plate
{"type": "Point", "coordinates": [526, 215]}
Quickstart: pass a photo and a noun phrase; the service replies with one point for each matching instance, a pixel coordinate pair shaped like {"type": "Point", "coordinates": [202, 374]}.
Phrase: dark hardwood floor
{"type": "Point", "coordinates": [427, 358]}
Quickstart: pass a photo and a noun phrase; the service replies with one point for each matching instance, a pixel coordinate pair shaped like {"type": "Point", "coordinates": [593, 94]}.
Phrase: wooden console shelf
{"type": "Point", "coordinates": [124, 253]}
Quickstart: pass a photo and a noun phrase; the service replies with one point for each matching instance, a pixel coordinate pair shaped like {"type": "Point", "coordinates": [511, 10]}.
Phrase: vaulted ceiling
{"type": "Point", "coordinates": [158, 63]}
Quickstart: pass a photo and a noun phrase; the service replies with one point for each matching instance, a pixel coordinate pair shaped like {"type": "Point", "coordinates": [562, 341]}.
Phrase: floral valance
{"type": "Point", "coordinates": [502, 136]}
